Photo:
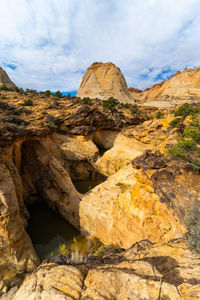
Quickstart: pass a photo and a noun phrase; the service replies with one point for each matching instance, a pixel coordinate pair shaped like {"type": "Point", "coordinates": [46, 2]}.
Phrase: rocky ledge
{"type": "Point", "coordinates": [145, 271]}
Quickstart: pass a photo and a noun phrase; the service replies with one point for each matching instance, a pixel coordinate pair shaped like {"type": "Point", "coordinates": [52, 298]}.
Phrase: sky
{"type": "Point", "coordinates": [48, 44]}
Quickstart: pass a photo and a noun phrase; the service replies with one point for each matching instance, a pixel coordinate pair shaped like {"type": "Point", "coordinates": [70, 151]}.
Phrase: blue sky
{"type": "Point", "coordinates": [48, 44]}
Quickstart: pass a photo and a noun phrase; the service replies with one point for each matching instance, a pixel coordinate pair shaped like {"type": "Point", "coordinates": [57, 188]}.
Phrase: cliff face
{"type": "Point", "coordinates": [180, 88]}
{"type": "Point", "coordinates": [40, 136]}
{"type": "Point", "coordinates": [5, 80]}
{"type": "Point", "coordinates": [45, 142]}
{"type": "Point", "coordinates": [104, 80]}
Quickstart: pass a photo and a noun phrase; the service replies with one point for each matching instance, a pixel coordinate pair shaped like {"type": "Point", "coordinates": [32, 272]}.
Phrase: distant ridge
{"type": "Point", "coordinates": [182, 87]}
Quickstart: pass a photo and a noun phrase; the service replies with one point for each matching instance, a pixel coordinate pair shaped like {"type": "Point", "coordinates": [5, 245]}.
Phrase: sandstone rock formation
{"type": "Point", "coordinates": [137, 203]}
{"type": "Point", "coordinates": [182, 87]}
{"type": "Point", "coordinates": [45, 146]}
{"type": "Point", "coordinates": [38, 164]}
{"type": "Point", "coordinates": [133, 141]}
{"type": "Point", "coordinates": [145, 271]}
{"type": "Point", "coordinates": [5, 80]}
{"type": "Point", "coordinates": [104, 80]}
{"type": "Point", "coordinates": [17, 253]}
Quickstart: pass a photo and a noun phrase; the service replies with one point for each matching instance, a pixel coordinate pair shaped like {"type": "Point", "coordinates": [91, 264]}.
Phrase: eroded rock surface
{"type": "Point", "coordinates": [17, 253]}
{"type": "Point", "coordinates": [133, 141]}
{"type": "Point", "coordinates": [144, 200]}
{"type": "Point", "coordinates": [104, 80]}
{"type": "Point", "coordinates": [145, 271]}
{"type": "Point", "coordinates": [181, 88]}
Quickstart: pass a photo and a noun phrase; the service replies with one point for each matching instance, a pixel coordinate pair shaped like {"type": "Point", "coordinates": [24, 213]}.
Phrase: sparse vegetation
{"type": "Point", "coordinates": [47, 93]}
{"type": "Point", "coordinates": [110, 103]}
{"type": "Point", "coordinates": [41, 124]}
{"type": "Point", "coordinates": [31, 91]}
{"type": "Point", "coordinates": [63, 129]}
{"type": "Point", "coordinates": [123, 187]}
{"type": "Point", "coordinates": [85, 101]}
{"type": "Point", "coordinates": [5, 88]}
{"type": "Point", "coordinates": [28, 102]}
{"type": "Point", "coordinates": [192, 222]}
{"type": "Point", "coordinates": [159, 115]}
{"type": "Point", "coordinates": [188, 144]}
{"type": "Point", "coordinates": [21, 91]}
{"type": "Point", "coordinates": [58, 94]}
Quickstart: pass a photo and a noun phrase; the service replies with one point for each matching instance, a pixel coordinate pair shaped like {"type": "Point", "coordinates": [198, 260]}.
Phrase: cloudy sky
{"type": "Point", "coordinates": [48, 44]}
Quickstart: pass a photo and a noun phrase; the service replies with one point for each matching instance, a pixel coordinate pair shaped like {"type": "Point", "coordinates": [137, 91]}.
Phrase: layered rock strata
{"type": "Point", "coordinates": [181, 88]}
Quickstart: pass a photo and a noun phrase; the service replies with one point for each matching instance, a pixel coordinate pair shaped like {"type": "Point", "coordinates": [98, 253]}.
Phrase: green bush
{"type": "Point", "coordinates": [192, 222]}
{"type": "Point", "coordinates": [184, 110]}
{"type": "Point", "coordinates": [193, 133]}
{"type": "Point", "coordinates": [31, 91]}
{"type": "Point", "coordinates": [58, 94]}
{"type": "Point", "coordinates": [51, 119]}
{"type": "Point", "coordinates": [176, 122]}
{"type": "Point", "coordinates": [4, 88]}
{"type": "Point", "coordinates": [110, 103]}
{"type": "Point", "coordinates": [159, 115]}
{"type": "Point", "coordinates": [47, 93]}
{"type": "Point", "coordinates": [188, 145]}
{"type": "Point", "coordinates": [28, 102]}
{"type": "Point", "coordinates": [21, 91]}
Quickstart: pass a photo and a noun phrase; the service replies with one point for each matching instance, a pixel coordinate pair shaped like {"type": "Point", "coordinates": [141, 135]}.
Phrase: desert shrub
{"type": "Point", "coordinates": [192, 222]}
{"type": "Point", "coordinates": [63, 129]}
{"type": "Point", "coordinates": [16, 89]}
{"type": "Point", "coordinates": [15, 120]}
{"type": "Point", "coordinates": [159, 115]}
{"type": "Point", "coordinates": [110, 103]}
{"type": "Point", "coordinates": [47, 93]}
{"type": "Point", "coordinates": [193, 133]}
{"type": "Point", "coordinates": [21, 91]}
{"type": "Point", "coordinates": [58, 94]}
{"type": "Point", "coordinates": [86, 101]}
{"type": "Point", "coordinates": [51, 121]}
{"type": "Point", "coordinates": [175, 123]}
{"type": "Point", "coordinates": [21, 110]}
{"type": "Point", "coordinates": [188, 145]}
{"type": "Point", "coordinates": [50, 118]}
{"type": "Point", "coordinates": [28, 102]}
{"type": "Point", "coordinates": [31, 91]}
{"type": "Point", "coordinates": [41, 124]}
{"type": "Point", "coordinates": [133, 108]}
{"type": "Point", "coordinates": [62, 249]}
{"type": "Point", "coordinates": [184, 110]}
{"type": "Point", "coordinates": [4, 88]}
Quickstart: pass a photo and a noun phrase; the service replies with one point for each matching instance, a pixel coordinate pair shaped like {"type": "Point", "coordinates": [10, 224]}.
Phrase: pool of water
{"type": "Point", "coordinates": [48, 231]}
{"type": "Point", "coordinates": [84, 186]}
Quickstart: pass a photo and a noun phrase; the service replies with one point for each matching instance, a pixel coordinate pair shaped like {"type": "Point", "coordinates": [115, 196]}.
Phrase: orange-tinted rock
{"type": "Point", "coordinates": [182, 87]}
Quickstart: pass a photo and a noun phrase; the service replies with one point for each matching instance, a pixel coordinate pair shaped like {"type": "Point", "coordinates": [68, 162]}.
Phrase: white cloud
{"type": "Point", "coordinates": [52, 42]}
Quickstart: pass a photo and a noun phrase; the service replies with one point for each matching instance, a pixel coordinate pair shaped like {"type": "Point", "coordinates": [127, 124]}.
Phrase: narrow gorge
{"type": "Point", "coordinates": [99, 169]}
